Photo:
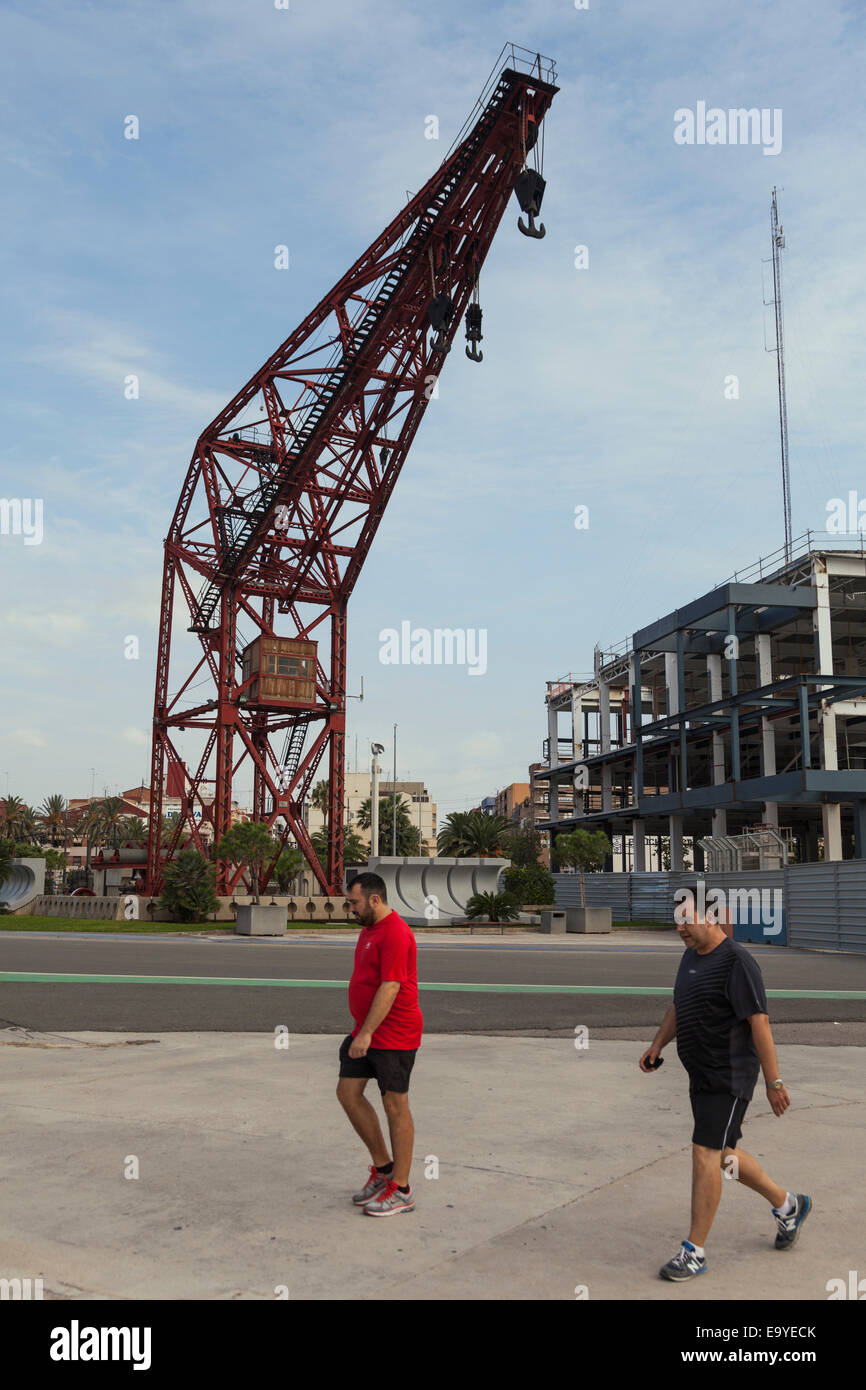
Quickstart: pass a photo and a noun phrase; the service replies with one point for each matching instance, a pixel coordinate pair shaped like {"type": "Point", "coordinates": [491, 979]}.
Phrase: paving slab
{"type": "Point", "coordinates": [559, 1170]}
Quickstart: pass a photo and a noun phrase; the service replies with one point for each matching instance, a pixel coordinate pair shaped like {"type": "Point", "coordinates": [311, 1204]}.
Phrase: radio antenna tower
{"type": "Point", "coordinates": [777, 239]}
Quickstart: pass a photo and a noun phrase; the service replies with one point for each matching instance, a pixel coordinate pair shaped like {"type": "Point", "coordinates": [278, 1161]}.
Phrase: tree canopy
{"type": "Point", "coordinates": [470, 834]}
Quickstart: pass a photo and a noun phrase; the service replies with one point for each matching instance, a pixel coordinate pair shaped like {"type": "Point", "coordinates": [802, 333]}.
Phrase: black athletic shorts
{"type": "Point", "coordinates": [718, 1119]}
{"type": "Point", "coordinates": [390, 1067]}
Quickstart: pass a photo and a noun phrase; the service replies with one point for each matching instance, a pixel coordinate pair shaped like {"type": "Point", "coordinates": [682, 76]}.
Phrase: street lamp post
{"type": "Point", "coordinates": [376, 749]}
{"type": "Point", "coordinates": [394, 801]}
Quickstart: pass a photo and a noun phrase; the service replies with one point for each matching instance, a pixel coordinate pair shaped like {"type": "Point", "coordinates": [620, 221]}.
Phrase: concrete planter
{"type": "Point", "coordinates": [260, 921]}
{"type": "Point", "coordinates": [588, 919]}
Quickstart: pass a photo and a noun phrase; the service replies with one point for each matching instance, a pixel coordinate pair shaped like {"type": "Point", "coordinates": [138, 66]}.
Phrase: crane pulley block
{"type": "Point", "coordinates": [529, 187]}
{"type": "Point", "coordinates": [440, 312]}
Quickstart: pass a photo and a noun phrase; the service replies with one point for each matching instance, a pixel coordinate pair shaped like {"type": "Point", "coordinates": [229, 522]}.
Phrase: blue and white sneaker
{"type": "Point", "coordinates": [789, 1226]}
{"type": "Point", "coordinates": [685, 1263]}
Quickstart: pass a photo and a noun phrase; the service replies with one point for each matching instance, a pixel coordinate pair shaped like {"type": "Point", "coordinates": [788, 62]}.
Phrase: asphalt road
{"type": "Point", "coordinates": [487, 986]}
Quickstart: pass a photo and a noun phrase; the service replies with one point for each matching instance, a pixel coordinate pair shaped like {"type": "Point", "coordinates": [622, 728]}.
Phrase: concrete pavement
{"type": "Point", "coordinates": [558, 1169]}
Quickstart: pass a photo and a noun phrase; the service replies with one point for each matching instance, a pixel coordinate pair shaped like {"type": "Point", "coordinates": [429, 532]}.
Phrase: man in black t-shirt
{"type": "Point", "coordinates": [719, 1018]}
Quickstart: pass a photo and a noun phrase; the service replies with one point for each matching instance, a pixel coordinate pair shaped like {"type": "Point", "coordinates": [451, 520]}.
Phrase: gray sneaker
{"type": "Point", "coordinates": [374, 1185]}
{"type": "Point", "coordinates": [789, 1226]}
{"type": "Point", "coordinates": [685, 1264]}
{"type": "Point", "coordinates": [390, 1202]}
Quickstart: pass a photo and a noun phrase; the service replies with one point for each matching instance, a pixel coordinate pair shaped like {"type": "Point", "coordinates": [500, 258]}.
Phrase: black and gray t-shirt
{"type": "Point", "coordinates": [714, 996]}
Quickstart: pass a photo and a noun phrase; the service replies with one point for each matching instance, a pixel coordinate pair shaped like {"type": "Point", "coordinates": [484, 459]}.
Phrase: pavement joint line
{"type": "Point", "coordinates": [610, 1182]}
{"type": "Point", "coordinates": [529, 1220]}
{"type": "Point", "coordinates": [241, 981]}
{"type": "Point", "coordinates": [507, 1173]}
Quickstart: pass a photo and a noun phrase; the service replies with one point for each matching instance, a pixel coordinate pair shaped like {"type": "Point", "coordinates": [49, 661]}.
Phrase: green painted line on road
{"type": "Point", "coordinates": [41, 977]}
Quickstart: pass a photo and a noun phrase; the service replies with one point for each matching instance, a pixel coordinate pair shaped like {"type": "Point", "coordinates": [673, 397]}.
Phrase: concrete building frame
{"type": "Point", "coordinates": [745, 707]}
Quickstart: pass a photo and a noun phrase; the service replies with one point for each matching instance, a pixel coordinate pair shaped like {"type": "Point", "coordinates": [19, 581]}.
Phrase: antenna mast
{"type": "Point", "coordinates": [777, 237]}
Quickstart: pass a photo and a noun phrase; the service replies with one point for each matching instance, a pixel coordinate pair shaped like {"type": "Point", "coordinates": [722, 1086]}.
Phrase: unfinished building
{"type": "Point", "coordinates": [744, 709]}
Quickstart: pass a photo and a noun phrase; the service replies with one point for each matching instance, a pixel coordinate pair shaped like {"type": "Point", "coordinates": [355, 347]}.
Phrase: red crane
{"type": "Point", "coordinates": [288, 484]}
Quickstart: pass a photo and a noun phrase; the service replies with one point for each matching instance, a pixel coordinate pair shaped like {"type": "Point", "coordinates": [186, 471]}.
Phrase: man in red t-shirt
{"type": "Point", "coordinates": [383, 1000]}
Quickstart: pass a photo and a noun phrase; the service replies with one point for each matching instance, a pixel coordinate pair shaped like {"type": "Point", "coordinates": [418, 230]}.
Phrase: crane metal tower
{"type": "Point", "coordinates": [289, 483]}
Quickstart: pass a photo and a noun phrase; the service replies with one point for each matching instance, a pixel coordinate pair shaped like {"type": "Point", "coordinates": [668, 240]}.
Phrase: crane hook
{"type": "Point", "coordinates": [473, 333]}
{"type": "Point", "coordinates": [531, 230]}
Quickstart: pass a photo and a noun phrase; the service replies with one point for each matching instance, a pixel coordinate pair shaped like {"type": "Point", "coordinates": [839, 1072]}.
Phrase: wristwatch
{"type": "Point", "coordinates": [775, 1085]}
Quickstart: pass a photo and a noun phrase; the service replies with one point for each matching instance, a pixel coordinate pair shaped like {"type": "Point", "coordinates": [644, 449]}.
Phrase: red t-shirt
{"type": "Point", "coordinates": [387, 951]}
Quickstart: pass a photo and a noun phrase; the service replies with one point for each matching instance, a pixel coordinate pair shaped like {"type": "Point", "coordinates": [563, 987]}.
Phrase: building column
{"type": "Point", "coordinates": [831, 816]}
{"type": "Point", "coordinates": [672, 685]}
{"type": "Point", "coordinates": [553, 760]}
{"type": "Point", "coordinates": [831, 812]}
{"type": "Point", "coordinates": [604, 726]}
{"type": "Point", "coordinates": [859, 809]}
{"type": "Point", "coordinates": [763, 655]}
{"type": "Point", "coordinates": [577, 726]}
{"type": "Point", "coordinates": [635, 690]}
{"type": "Point", "coordinates": [672, 682]}
{"type": "Point", "coordinates": [714, 677]}
{"type": "Point", "coordinates": [639, 844]}
{"type": "Point", "coordinates": [675, 830]}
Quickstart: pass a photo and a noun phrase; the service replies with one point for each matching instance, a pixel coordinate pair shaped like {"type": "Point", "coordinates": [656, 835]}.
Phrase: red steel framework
{"type": "Point", "coordinates": [288, 484]}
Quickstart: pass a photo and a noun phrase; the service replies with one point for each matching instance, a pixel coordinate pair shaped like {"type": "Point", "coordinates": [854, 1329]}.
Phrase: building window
{"type": "Point", "coordinates": [295, 666]}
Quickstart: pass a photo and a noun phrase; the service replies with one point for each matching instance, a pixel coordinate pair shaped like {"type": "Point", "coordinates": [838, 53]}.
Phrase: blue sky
{"type": "Point", "coordinates": [601, 387]}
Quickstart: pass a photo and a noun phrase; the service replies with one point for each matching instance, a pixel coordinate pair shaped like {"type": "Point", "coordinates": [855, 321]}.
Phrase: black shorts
{"type": "Point", "coordinates": [390, 1067]}
{"type": "Point", "coordinates": [718, 1119]}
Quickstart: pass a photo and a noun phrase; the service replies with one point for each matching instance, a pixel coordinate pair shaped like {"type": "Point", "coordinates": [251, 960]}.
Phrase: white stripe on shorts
{"type": "Point", "coordinates": [728, 1125]}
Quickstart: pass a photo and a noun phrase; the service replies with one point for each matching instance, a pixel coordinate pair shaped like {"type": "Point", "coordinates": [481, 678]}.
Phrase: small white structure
{"type": "Point", "coordinates": [427, 891]}
{"type": "Point", "coordinates": [24, 882]}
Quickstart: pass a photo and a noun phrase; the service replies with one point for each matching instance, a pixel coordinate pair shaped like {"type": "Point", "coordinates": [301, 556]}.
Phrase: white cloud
{"type": "Point", "coordinates": [30, 738]}
{"type": "Point", "coordinates": [107, 352]}
{"type": "Point", "coordinates": [60, 628]}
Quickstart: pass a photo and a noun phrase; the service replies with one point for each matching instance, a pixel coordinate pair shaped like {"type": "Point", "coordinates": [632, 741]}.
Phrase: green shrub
{"type": "Point", "coordinates": [189, 882]}
{"type": "Point", "coordinates": [530, 884]}
{"type": "Point", "coordinates": [496, 907]}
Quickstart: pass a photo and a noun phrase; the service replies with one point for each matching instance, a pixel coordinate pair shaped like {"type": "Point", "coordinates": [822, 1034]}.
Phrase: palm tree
{"type": "Point", "coordinates": [321, 799]}
{"type": "Point", "coordinates": [131, 830]}
{"type": "Point", "coordinates": [408, 834]}
{"type": "Point", "coordinates": [112, 815]}
{"type": "Point", "coordinates": [452, 837]}
{"type": "Point", "coordinates": [496, 907]}
{"type": "Point", "coordinates": [28, 823]}
{"type": "Point", "coordinates": [53, 812]}
{"type": "Point", "coordinates": [5, 860]}
{"type": "Point", "coordinates": [89, 827]}
{"type": "Point", "coordinates": [14, 810]}
{"type": "Point", "coordinates": [167, 829]}
{"type": "Point", "coordinates": [471, 834]}
{"type": "Point", "coordinates": [354, 849]}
